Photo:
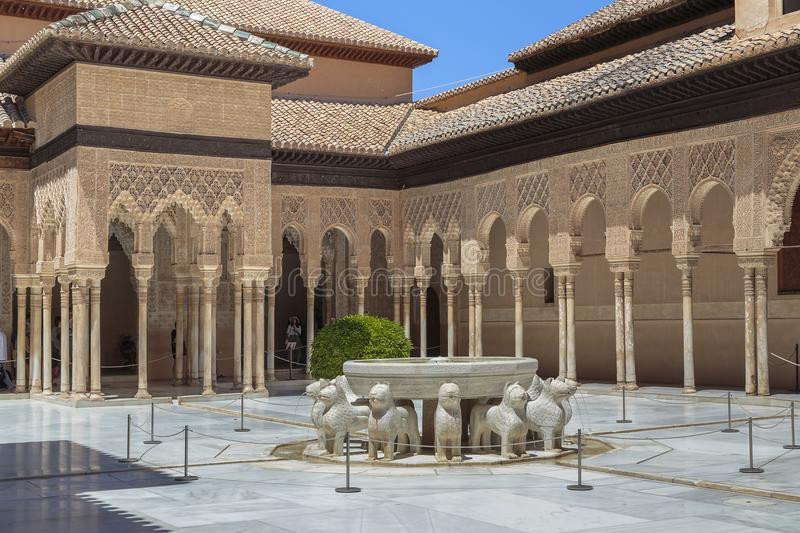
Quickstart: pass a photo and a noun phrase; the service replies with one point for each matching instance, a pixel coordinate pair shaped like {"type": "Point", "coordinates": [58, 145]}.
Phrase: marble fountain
{"type": "Point", "coordinates": [476, 409]}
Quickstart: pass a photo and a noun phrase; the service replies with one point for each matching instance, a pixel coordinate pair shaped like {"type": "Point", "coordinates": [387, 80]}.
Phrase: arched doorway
{"type": "Point", "coordinates": [541, 333]}
{"type": "Point", "coordinates": [378, 299]}
{"type": "Point", "coordinates": [336, 280]}
{"type": "Point", "coordinates": [498, 296]}
{"type": "Point", "coordinates": [290, 301]}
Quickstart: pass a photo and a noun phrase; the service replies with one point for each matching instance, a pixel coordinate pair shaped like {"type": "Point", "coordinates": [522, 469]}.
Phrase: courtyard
{"type": "Point", "coordinates": [61, 471]}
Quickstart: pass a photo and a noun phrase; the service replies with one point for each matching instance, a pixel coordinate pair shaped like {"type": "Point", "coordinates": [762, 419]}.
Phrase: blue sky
{"type": "Point", "coordinates": [473, 37]}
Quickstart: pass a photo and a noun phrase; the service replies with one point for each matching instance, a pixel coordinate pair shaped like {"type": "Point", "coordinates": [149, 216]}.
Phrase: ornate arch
{"type": "Point", "coordinates": [640, 200]}
{"type": "Point", "coordinates": [780, 198]}
{"type": "Point", "coordinates": [485, 227]}
{"type": "Point", "coordinates": [294, 234]}
{"type": "Point", "coordinates": [578, 212]}
{"type": "Point", "coordinates": [700, 193]}
{"type": "Point", "coordinates": [525, 219]}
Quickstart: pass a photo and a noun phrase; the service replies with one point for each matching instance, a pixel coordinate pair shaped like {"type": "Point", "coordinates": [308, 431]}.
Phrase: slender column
{"type": "Point", "coordinates": [471, 318]}
{"type": "Point", "coordinates": [36, 339]}
{"type": "Point", "coordinates": [206, 297]}
{"type": "Point", "coordinates": [397, 293]}
{"type": "Point", "coordinates": [142, 282]}
{"type": "Point", "coordinates": [361, 290]}
{"type": "Point", "coordinates": [259, 359]}
{"type": "Point", "coordinates": [572, 372]}
{"type": "Point", "coordinates": [519, 324]}
{"type": "Point", "coordinates": [271, 333]}
{"type": "Point", "coordinates": [562, 326]}
{"type": "Point", "coordinates": [194, 333]}
{"type": "Point", "coordinates": [95, 353]}
{"type": "Point", "coordinates": [407, 308]}
{"type": "Point", "coordinates": [687, 267]}
{"type": "Point", "coordinates": [450, 286]}
{"type": "Point", "coordinates": [64, 381]}
{"type": "Point", "coordinates": [22, 304]}
{"type": "Point", "coordinates": [180, 295]}
{"type": "Point", "coordinates": [47, 339]}
{"type": "Point", "coordinates": [84, 339]}
{"type": "Point", "coordinates": [309, 323]}
{"type": "Point", "coordinates": [237, 334]}
{"type": "Point", "coordinates": [619, 323]}
{"type": "Point", "coordinates": [749, 331]}
{"type": "Point", "coordinates": [214, 353]}
{"type": "Point", "coordinates": [630, 358]}
{"type": "Point", "coordinates": [247, 338]}
{"type": "Point", "coordinates": [762, 346]}
{"type": "Point", "coordinates": [423, 318]}
{"type": "Point", "coordinates": [479, 319]}
{"type": "Point", "coordinates": [76, 367]}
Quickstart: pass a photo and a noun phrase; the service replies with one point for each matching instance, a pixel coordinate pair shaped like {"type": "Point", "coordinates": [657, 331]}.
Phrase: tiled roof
{"type": "Point", "coordinates": [153, 25]}
{"type": "Point", "coordinates": [497, 76]}
{"type": "Point", "coordinates": [12, 109]}
{"type": "Point", "coordinates": [697, 53]}
{"type": "Point", "coordinates": [319, 126]}
{"type": "Point", "coordinates": [616, 12]}
{"type": "Point", "coordinates": [296, 19]}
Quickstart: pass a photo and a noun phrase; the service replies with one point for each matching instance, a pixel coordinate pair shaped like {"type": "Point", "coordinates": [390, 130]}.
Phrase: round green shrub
{"type": "Point", "coordinates": [356, 337]}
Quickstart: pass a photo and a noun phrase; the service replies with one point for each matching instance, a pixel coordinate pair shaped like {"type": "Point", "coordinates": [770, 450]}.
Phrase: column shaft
{"type": "Point", "coordinates": [95, 353]}
{"type": "Point", "coordinates": [630, 358]}
{"type": "Point", "coordinates": [237, 335]}
{"type": "Point", "coordinates": [762, 346]}
{"type": "Point", "coordinates": [206, 297]}
{"type": "Point", "coordinates": [562, 326]}
{"type": "Point", "coordinates": [76, 370]}
{"type": "Point", "coordinates": [214, 353]}
{"type": "Point", "coordinates": [619, 326]}
{"type": "Point", "coordinates": [180, 333]}
{"type": "Point", "coordinates": [572, 371]}
{"type": "Point", "coordinates": [397, 294]}
{"type": "Point", "coordinates": [22, 304]}
{"type": "Point", "coordinates": [407, 309]}
{"type": "Point", "coordinates": [519, 323]}
{"type": "Point", "coordinates": [471, 319]}
{"type": "Point", "coordinates": [271, 334]}
{"type": "Point", "coordinates": [47, 340]}
{"type": "Point", "coordinates": [749, 332]}
{"type": "Point", "coordinates": [85, 338]}
{"type": "Point", "coordinates": [36, 339]}
{"type": "Point", "coordinates": [141, 348]}
{"type": "Point", "coordinates": [247, 339]}
{"type": "Point", "coordinates": [309, 326]}
{"type": "Point", "coordinates": [64, 379]}
{"type": "Point", "coordinates": [194, 333]}
{"type": "Point", "coordinates": [259, 359]}
{"type": "Point", "coordinates": [688, 330]}
{"type": "Point", "coordinates": [479, 320]}
{"type": "Point", "coordinates": [451, 322]}
{"type": "Point", "coordinates": [423, 321]}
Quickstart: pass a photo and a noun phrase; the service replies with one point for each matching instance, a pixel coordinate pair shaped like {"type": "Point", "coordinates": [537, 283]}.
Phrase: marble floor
{"type": "Point", "coordinates": [59, 471]}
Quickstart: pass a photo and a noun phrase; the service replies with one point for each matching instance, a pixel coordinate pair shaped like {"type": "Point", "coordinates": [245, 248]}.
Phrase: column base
{"type": "Point", "coordinates": [36, 390]}
{"type": "Point", "coordinates": [247, 389]}
{"type": "Point", "coordinates": [619, 386]}
{"type": "Point", "coordinates": [64, 396]}
{"type": "Point", "coordinates": [96, 396]}
{"type": "Point", "coordinates": [209, 392]}
{"type": "Point", "coordinates": [47, 392]}
{"type": "Point", "coordinates": [142, 394]}
{"type": "Point", "coordinates": [261, 389]}
{"type": "Point", "coordinates": [631, 386]}
{"type": "Point", "coordinates": [689, 390]}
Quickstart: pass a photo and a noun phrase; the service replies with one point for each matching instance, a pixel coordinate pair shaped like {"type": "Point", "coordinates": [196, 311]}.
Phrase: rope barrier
{"type": "Point", "coordinates": [784, 359]}
{"type": "Point", "coordinates": [743, 408]}
{"type": "Point", "coordinates": [662, 438]}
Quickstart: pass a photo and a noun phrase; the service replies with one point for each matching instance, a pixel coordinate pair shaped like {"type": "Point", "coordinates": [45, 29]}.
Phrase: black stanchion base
{"type": "Point", "coordinates": [186, 478]}
{"type": "Point", "coordinates": [792, 447]}
{"type": "Point", "coordinates": [241, 430]}
{"type": "Point", "coordinates": [128, 460]}
{"type": "Point", "coordinates": [731, 430]}
{"type": "Point", "coordinates": [624, 421]}
{"type": "Point", "coordinates": [151, 442]}
{"type": "Point", "coordinates": [580, 488]}
{"type": "Point", "coordinates": [348, 490]}
{"type": "Point", "coordinates": [751, 470]}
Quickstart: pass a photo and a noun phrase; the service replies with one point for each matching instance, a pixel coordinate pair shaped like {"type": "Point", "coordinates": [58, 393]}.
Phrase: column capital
{"type": "Point", "coordinates": [686, 262]}
{"type": "Point", "coordinates": [757, 261]}
{"type": "Point", "coordinates": [567, 269]}
{"type": "Point", "coordinates": [624, 265]}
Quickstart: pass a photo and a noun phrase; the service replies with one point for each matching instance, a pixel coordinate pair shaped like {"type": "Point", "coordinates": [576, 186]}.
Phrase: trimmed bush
{"type": "Point", "coordinates": [356, 337]}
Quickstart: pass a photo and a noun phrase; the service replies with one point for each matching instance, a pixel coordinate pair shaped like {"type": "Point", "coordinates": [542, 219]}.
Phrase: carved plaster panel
{"type": "Point", "coordinates": [652, 168]}
{"type": "Point", "coordinates": [50, 196]}
{"type": "Point", "coordinates": [380, 213]}
{"type": "Point", "coordinates": [442, 208]}
{"type": "Point", "coordinates": [491, 198]}
{"type": "Point", "coordinates": [534, 190]}
{"type": "Point", "coordinates": [7, 203]}
{"type": "Point", "coordinates": [293, 209]}
{"type": "Point", "coordinates": [338, 211]}
{"type": "Point", "coordinates": [6, 287]}
{"type": "Point", "coordinates": [587, 178]}
{"type": "Point", "coordinates": [713, 160]}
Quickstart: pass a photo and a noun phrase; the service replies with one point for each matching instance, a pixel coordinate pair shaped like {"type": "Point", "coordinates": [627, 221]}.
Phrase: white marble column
{"type": "Point", "coordinates": [407, 307]}
{"type": "Point", "coordinates": [180, 332]}
{"type": "Point", "coordinates": [247, 337]}
{"type": "Point", "coordinates": [22, 308]}
{"type": "Point", "coordinates": [36, 339]}
{"type": "Point", "coordinates": [686, 266]}
{"type": "Point", "coordinates": [361, 292]}
{"type": "Point", "coordinates": [207, 304]}
{"type": "Point", "coordinates": [471, 318]}
{"type": "Point", "coordinates": [750, 376]}
{"type": "Point", "coordinates": [451, 285]}
{"type": "Point", "coordinates": [261, 385]}
{"type": "Point", "coordinates": [762, 316]}
{"type": "Point", "coordinates": [479, 319]}
{"type": "Point", "coordinates": [519, 321]}
{"type": "Point", "coordinates": [572, 371]}
{"type": "Point", "coordinates": [77, 371]}
{"type": "Point", "coordinates": [47, 338]}
{"type": "Point", "coordinates": [271, 332]}
{"type": "Point", "coordinates": [95, 348]}
{"type": "Point", "coordinates": [237, 334]}
{"type": "Point", "coordinates": [562, 325]}
{"type": "Point", "coordinates": [397, 295]}
{"type": "Point", "coordinates": [423, 316]}
{"type": "Point", "coordinates": [84, 339]}
{"type": "Point", "coordinates": [309, 324]}
{"type": "Point", "coordinates": [619, 326]}
{"type": "Point", "coordinates": [630, 357]}
{"type": "Point", "coordinates": [194, 332]}
{"type": "Point", "coordinates": [214, 351]}
{"type": "Point", "coordinates": [64, 379]}
{"type": "Point", "coordinates": [142, 287]}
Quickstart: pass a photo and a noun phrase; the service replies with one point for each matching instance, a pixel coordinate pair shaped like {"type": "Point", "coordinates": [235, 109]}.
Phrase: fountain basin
{"type": "Point", "coordinates": [420, 378]}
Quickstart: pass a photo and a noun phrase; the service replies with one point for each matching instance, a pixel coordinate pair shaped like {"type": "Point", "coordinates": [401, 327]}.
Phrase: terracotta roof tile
{"type": "Point", "coordinates": [444, 95]}
{"type": "Point", "coordinates": [300, 19]}
{"type": "Point", "coordinates": [12, 109]}
{"type": "Point", "coordinates": [696, 53]}
{"type": "Point", "coordinates": [319, 126]}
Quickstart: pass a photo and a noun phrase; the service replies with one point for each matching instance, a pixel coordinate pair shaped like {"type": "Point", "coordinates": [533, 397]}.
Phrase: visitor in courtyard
{"type": "Point", "coordinates": [293, 332]}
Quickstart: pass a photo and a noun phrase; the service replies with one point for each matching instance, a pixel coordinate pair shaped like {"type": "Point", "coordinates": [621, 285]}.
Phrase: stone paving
{"type": "Point", "coordinates": [59, 472]}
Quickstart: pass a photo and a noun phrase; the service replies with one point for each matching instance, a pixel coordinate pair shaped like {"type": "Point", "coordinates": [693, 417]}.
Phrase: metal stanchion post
{"type": "Point", "coordinates": [793, 445]}
{"type": "Point", "coordinates": [347, 489]}
{"type": "Point", "coordinates": [289, 354]}
{"type": "Point", "coordinates": [624, 419]}
{"type": "Point", "coordinates": [751, 469]}
{"type": "Point", "coordinates": [152, 425]}
{"type": "Point", "coordinates": [241, 428]}
{"type": "Point", "coordinates": [185, 476]}
{"type": "Point", "coordinates": [580, 486]}
{"type": "Point", "coordinates": [128, 458]}
{"type": "Point", "coordinates": [729, 429]}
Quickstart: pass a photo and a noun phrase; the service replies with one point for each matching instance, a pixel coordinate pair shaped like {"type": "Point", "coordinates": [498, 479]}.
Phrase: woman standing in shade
{"type": "Point", "coordinates": [293, 332]}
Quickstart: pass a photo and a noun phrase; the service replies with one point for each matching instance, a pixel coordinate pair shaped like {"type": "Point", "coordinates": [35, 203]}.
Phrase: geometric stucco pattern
{"type": "Point", "coordinates": [50, 196]}
{"type": "Point", "coordinates": [6, 268]}
{"type": "Point", "coordinates": [7, 203]}
{"type": "Point", "coordinates": [380, 213]}
{"type": "Point", "coordinates": [491, 198]}
{"type": "Point", "coordinates": [713, 160]}
{"type": "Point", "coordinates": [534, 190]}
{"type": "Point", "coordinates": [652, 168]}
{"type": "Point", "coordinates": [293, 209]}
{"type": "Point", "coordinates": [442, 208]}
{"type": "Point", "coordinates": [338, 211]}
{"type": "Point", "coordinates": [587, 178]}
{"type": "Point", "coordinates": [149, 184]}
